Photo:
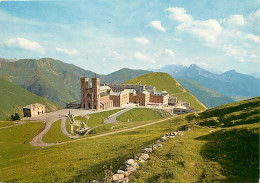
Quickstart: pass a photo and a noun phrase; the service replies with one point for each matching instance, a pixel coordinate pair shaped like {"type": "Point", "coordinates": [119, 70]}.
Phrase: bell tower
{"type": "Point", "coordinates": [96, 92]}
{"type": "Point", "coordinates": [84, 86]}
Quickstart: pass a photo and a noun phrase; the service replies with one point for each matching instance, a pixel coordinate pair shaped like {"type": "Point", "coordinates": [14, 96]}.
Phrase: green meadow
{"type": "Point", "coordinates": [205, 153]}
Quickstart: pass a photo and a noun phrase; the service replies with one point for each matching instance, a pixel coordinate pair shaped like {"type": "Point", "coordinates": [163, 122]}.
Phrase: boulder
{"type": "Point", "coordinates": [127, 173]}
{"type": "Point", "coordinates": [120, 171]}
{"type": "Point", "coordinates": [147, 150]}
{"type": "Point", "coordinates": [144, 157]}
{"type": "Point", "coordinates": [117, 177]}
{"type": "Point", "coordinates": [130, 169]}
{"type": "Point", "coordinates": [163, 139]}
{"type": "Point", "coordinates": [124, 180]}
{"type": "Point", "coordinates": [158, 145]}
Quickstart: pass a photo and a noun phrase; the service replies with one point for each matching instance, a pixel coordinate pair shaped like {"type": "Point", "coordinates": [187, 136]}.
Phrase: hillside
{"type": "Point", "coordinates": [207, 96]}
{"type": "Point", "coordinates": [13, 98]}
{"type": "Point", "coordinates": [55, 80]}
{"type": "Point", "coordinates": [225, 151]}
{"type": "Point", "coordinates": [163, 81]}
{"type": "Point", "coordinates": [203, 154]}
{"type": "Point", "coordinates": [230, 83]}
{"type": "Point", "coordinates": [122, 75]}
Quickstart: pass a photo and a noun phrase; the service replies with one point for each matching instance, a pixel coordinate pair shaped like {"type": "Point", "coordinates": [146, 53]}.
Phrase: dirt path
{"type": "Point", "coordinates": [20, 123]}
{"type": "Point", "coordinates": [112, 118]}
{"type": "Point", "coordinates": [37, 141]}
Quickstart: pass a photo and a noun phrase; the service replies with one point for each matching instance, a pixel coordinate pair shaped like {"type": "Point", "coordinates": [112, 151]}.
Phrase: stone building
{"type": "Point", "coordinates": [33, 110]}
{"type": "Point", "coordinates": [115, 95]}
{"type": "Point", "coordinates": [96, 97]}
{"type": "Point", "coordinates": [119, 98]}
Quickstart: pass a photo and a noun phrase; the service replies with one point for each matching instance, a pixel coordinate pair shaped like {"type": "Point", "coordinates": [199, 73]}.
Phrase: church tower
{"type": "Point", "coordinates": [84, 86]}
{"type": "Point", "coordinates": [96, 92]}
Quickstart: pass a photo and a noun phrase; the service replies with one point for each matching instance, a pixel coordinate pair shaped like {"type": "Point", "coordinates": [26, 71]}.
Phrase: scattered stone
{"type": "Point", "coordinates": [171, 137]}
{"type": "Point", "coordinates": [147, 150]}
{"type": "Point", "coordinates": [130, 169]}
{"type": "Point", "coordinates": [158, 145]}
{"type": "Point", "coordinates": [117, 177]}
{"type": "Point", "coordinates": [120, 171]}
{"type": "Point", "coordinates": [124, 180]}
{"type": "Point", "coordinates": [163, 139]}
{"type": "Point", "coordinates": [144, 157]}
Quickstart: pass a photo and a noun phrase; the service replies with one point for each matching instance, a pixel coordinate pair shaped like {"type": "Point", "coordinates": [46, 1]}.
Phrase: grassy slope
{"type": "Point", "coordinates": [98, 118]}
{"type": "Point", "coordinates": [209, 97]}
{"type": "Point", "coordinates": [13, 98]}
{"type": "Point", "coordinates": [6, 123]}
{"type": "Point", "coordinates": [163, 81]}
{"type": "Point", "coordinates": [68, 126]}
{"type": "Point", "coordinates": [196, 156]}
{"type": "Point", "coordinates": [55, 134]}
{"type": "Point", "coordinates": [140, 114]}
{"type": "Point", "coordinates": [55, 80]}
{"type": "Point", "coordinates": [203, 154]}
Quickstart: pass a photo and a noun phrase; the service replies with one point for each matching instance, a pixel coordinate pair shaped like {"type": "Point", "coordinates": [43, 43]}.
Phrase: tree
{"type": "Point", "coordinates": [15, 117]}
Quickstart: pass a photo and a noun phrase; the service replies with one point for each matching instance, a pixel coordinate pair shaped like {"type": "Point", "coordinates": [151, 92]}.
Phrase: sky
{"type": "Point", "coordinates": [105, 36]}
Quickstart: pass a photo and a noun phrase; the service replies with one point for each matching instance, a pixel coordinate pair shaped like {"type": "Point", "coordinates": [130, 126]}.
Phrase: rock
{"type": "Point", "coordinates": [127, 173]}
{"type": "Point", "coordinates": [117, 177]}
{"type": "Point", "coordinates": [172, 134]}
{"type": "Point", "coordinates": [158, 145]}
{"type": "Point", "coordinates": [147, 150]}
{"type": "Point", "coordinates": [144, 157]}
{"type": "Point", "coordinates": [122, 167]}
{"type": "Point", "coordinates": [124, 180]}
{"type": "Point", "coordinates": [163, 139]}
{"type": "Point", "coordinates": [120, 171]}
{"type": "Point", "coordinates": [171, 137]}
{"type": "Point", "coordinates": [130, 169]}
{"type": "Point", "coordinates": [131, 163]}
{"type": "Point", "coordinates": [154, 147]}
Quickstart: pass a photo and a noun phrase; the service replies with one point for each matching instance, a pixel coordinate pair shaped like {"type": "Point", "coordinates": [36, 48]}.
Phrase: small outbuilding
{"type": "Point", "coordinates": [33, 110]}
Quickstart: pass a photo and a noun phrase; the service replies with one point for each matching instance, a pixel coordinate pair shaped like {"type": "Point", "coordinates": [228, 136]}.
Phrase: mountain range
{"type": "Point", "coordinates": [230, 83]}
{"type": "Point", "coordinates": [55, 80]}
{"type": "Point", "coordinates": [59, 82]}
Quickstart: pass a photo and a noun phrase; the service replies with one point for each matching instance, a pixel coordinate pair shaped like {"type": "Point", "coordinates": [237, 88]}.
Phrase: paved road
{"type": "Point", "coordinates": [101, 135]}
{"type": "Point", "coordinates": [64, 130]}
{"type": "Point", "coordinates": [50, 118]}
{"type": "Point", "coordinates": [112, 118]}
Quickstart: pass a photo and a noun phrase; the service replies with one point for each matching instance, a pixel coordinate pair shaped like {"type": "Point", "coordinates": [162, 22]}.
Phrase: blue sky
{"type": "Point", "coordinates": [104, 36]}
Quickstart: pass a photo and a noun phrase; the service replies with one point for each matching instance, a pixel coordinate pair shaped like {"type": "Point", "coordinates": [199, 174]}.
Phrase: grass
{"type": "Point", "coordinates": [164, 81]}
{"type": "Point", "coordinates": [6, 123]}
{"type": "Point", "coordinates": [14, 98]}
{"type": "Point", "coordinates": [228, 154]}
{"type": "Point", "coordinates": [86, 164]}
{"type": "Point", "coordinates": [141, 114]}
{"type": "Point", "coordinates": [15, 142]}
{"type": "Point", "coordinates": [98, 118]}
{"type": "Point", "coordinates": [68, 126]}
{"type": "Point", "coordinates": [55, 134]}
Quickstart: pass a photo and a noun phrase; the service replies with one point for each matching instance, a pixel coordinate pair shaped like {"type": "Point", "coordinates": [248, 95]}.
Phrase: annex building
{"type": "Point", "coordinates": [106, 96]}
{"type": "Point", "coordinates": [33, 110]}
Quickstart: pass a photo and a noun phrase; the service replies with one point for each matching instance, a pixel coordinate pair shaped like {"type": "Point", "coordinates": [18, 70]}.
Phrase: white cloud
{"type": "Point", "coordinates": [177, 39]}
{"type": "Point", "coordinates": [25, 44]}
{"type": "Point", "coordinates": [141, 40]}
{"type": "Point", "coordinates": [169, 52]}
{"type": "Point", "coordinates": [237, 53]}
{"type": "Point", "coordinates": [254, 38]}
{"type": "Point", "coordinates": [141, 56]}
{"type": "Point", "coordinates": [70, 52]}
{"type": "Point", "coordinates": [116, 56]}
{"type": "Point", "coordinates": [179, 14]}
{"type": "Point", "coordinates": [207, 30]}
{"type": "Point", "coordinates": [234, 20]}
{"type": "Point", "coordinates": [157, 25]}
